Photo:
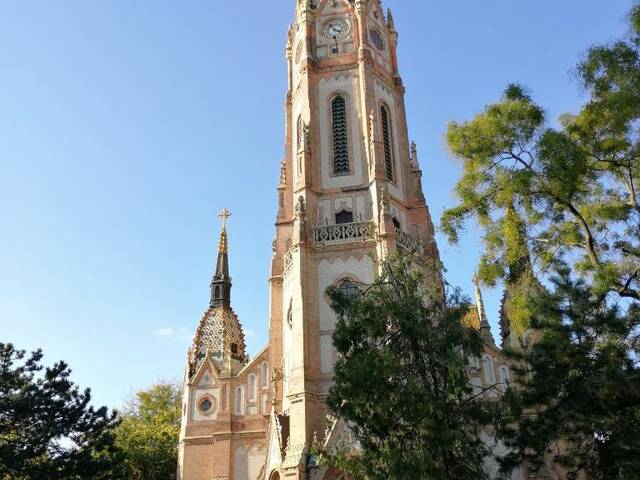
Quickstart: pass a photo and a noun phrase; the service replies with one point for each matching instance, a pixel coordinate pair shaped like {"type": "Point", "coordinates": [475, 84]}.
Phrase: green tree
{"type": "Point", "coordinates": [401, 383]}
{"type": "Point", "coordinates": [579, 400]}
{"type": "Point", "coordinates": [48, 430]}
{"type": "Point", "coordinates": [148, 433]}
{"type": "Point", "coordinates": [562, 195]}
{"type": "Point", "coordinates": [560, 207]}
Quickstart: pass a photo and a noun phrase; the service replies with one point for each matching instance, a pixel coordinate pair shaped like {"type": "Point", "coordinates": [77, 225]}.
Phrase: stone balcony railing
{"type": "Point", "coordinates": [406, 241]}
{"type": "Point", "coordinates": [343, 232]}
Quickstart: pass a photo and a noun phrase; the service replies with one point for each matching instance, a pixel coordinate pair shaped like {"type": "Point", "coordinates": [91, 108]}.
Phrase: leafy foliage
{"type": "Point", "coordinates": [401, 383]}
{"type": "Point", "coordinates": [574, 191]}
{"type": "Point", "coordinates": [579, 400]}
{"type": "Point", "coordinates": [148, 433]}
{"type": "Point", "coordinates": [48, 430]}
{"type": "Point", "coordinates": [560, 213]}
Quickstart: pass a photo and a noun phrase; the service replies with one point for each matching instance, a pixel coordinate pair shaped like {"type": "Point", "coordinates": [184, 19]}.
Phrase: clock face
{"type": "Point", "coordinates": [337, 28]}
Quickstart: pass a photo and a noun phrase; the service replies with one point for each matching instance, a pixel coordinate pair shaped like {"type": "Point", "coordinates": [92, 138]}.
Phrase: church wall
{"type": "Point", "coordinates": [287, 336]}
{"type": "Point", "coordinates": [210, 441]}
{"type": "Point", "coordinates": [201, 459]}
{"type": "Point", "coordinates": [249, 457]}
{"type": "Point", "coordinates": [331, 272]}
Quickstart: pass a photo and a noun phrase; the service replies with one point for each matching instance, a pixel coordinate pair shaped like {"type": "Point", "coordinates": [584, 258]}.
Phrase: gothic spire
{"type": "Point", "coordinates": [485, 329]}
{"type": "Point", "coordinates": [221, 281]}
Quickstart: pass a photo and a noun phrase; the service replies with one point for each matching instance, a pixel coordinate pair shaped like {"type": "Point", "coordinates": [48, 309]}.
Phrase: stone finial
{"type": "Point", "coordinates": [391, 24]}
{"type": "Point", "coordinates": [283, 172]}
{"type": "Point", "coordinates": [290, 35]}
{"type": "Point", "coordinates": [415, 165]}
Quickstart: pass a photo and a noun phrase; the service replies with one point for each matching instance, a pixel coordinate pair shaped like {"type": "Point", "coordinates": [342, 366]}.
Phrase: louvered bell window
{"type": "Point", "coordinates": [340, 136]}
{"type": "Point", "coordinates": [344, 217]}
{"type": "Point", "coordinates": [387, 138]}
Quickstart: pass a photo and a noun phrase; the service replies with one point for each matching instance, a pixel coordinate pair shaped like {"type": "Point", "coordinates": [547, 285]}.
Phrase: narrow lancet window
{"type": "Point", "coordinates": [299, 132]}
{"type": "Point", "coordinates": [387, 138]}
{"type": "Point", "coordinates": [340, 136]}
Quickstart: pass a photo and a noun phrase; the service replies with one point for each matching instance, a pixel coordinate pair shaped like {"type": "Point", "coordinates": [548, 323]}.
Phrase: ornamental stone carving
{"type": "Point", "coordinates": [301, 210]}
{"type": "Point", "coordinates": [385, 205]}
{"type": "Point", "coordinates": [343, 232]}
{"type": "Point", "coordinates": [414, 156]}
{"type": "Point", "coordinates": [283, 172]}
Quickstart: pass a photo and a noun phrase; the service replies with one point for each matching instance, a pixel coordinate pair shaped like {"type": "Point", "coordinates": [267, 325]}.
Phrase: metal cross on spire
{"type": "Point", "coordinates": [224, 215]}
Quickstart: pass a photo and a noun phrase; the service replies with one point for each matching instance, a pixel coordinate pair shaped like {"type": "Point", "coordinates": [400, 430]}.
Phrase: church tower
{"type": "Point", "coordinates": [350, 193]}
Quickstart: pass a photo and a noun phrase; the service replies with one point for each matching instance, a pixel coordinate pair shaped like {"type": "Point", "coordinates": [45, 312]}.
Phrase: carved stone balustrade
{"type": "Point", "coordinates": [406, 241]}
{"type": "Point", "coordinates": [343, 232]}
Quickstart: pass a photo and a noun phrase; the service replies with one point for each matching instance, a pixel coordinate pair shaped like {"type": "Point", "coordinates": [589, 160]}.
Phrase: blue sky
{"type": "Point", "coordinates": [126, 126]}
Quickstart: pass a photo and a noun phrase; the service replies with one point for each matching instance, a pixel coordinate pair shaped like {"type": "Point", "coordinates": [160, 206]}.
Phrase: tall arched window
{"type": "Point", "coordinates": [253, 387]}
{"type": "Point", "coordinates": [264, 374]}
{"type": "Point", "coordinates": [489, 373]}
{"type": "Point", "coordinates": [239, 401]}
{"type": "Point", "coordinates": [387, 138]}
{"type": "Point", "coordinates": [339, 127]}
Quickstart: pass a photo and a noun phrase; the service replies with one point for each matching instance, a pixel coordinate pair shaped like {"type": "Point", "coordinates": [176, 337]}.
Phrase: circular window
{"type": "Point", "coordinates": [207, 405]}
{"type": "Point", "coordinates": [376, 39]}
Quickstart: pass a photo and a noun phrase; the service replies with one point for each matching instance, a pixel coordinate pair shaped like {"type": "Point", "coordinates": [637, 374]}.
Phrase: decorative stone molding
{"type": "Point", "coordinates": [221, 477]}
{"type": "Point", "coordinates": [343, 232]}
{"type": "Point", "coordinates": [373, 128]}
